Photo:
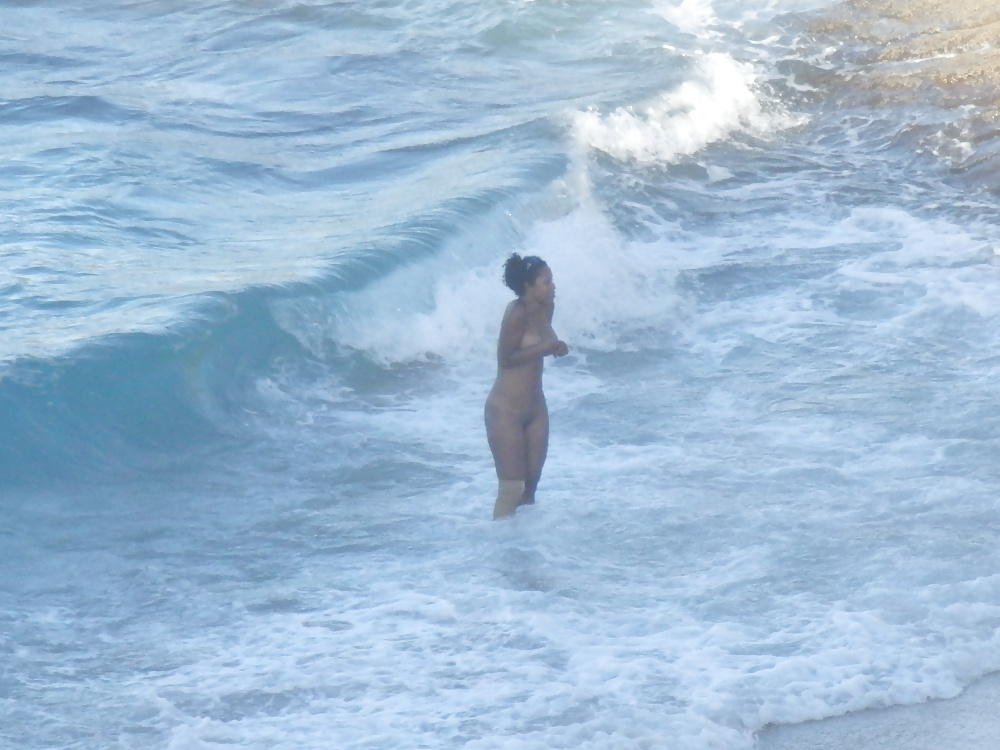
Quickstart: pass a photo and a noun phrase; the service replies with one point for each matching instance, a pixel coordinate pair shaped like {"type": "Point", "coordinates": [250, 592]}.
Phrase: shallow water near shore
{"type": "Point", "coordinates": [250, 302]}
{"type": "Point", "coordinates": [968, 720]}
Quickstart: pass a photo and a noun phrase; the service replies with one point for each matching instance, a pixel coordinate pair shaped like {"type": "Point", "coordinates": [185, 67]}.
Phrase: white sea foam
{"type": "Point", "coordinates": [692, 16]}
{"type": "Point", "coordinates": [608, 290]}
{"type": "Point", "coordinates": [497, 642]}
{"type": "Point", "coordinates": [720, 98]}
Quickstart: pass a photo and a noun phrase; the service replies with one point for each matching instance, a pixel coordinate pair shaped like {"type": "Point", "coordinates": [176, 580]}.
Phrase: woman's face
{"type": "Point", "coordinates": [541, 289]}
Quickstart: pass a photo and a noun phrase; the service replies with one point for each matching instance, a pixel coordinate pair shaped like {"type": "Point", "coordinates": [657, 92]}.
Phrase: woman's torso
{"type": "Point", "coordinates": [520, 386]}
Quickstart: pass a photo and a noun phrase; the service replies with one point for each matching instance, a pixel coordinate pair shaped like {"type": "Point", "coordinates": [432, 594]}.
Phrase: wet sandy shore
{"type": "Point", "coordinates": [970, 721]}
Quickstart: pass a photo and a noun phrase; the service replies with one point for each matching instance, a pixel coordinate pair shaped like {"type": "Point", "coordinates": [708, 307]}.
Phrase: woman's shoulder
{"type": "Point", "coordinates": [516, 310]}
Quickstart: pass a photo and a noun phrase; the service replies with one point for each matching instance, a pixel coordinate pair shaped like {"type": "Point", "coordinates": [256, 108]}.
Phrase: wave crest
{"type": "Point", "coordinates": [720, 100]}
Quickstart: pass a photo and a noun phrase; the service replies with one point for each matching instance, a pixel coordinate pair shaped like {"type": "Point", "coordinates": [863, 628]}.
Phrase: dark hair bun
{"type": "Point", "coordinates": [518, 272]}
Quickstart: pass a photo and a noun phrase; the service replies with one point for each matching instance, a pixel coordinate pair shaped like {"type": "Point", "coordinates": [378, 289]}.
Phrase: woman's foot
{"type": "Point", "coordinates": [509, 496]}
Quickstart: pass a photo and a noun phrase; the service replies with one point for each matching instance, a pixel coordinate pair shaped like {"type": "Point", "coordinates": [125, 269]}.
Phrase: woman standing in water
{"type": "Point", "coordinates": [517, 419]}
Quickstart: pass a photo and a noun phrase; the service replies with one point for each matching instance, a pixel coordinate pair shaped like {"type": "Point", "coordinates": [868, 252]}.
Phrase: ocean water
{"type": "Point", "coordinates": [249, 298]}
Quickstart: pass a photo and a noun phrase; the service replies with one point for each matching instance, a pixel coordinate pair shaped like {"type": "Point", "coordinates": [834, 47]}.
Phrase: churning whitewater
{"type": "Point", "coordinates": [250, 297]}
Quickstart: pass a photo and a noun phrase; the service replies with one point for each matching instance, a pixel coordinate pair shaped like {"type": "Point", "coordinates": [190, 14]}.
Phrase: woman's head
{"type": "Point", "coordinates": [520, 273]}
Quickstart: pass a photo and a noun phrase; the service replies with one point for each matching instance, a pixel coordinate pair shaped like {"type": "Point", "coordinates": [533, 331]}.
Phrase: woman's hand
{"type": "Point", "coordinates": [558, 349]}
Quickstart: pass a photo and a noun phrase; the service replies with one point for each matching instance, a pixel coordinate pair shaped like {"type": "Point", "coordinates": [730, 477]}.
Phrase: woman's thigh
{"type": "Point", "coordinates": [506, 435]}
{"type": "Point", "coordinates": [536, 443]}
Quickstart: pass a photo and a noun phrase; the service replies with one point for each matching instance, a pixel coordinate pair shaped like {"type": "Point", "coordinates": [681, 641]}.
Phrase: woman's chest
{"type": "Point", "coordinates": [536, 332]}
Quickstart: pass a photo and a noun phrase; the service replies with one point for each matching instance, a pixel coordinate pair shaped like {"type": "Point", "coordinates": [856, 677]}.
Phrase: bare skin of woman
{"type": "Point", "coordinates": [517, 419]}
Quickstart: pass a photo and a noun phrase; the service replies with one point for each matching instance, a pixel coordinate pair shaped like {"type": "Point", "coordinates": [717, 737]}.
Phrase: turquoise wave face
{"type": "Point", "coordinates": [135, 402]}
